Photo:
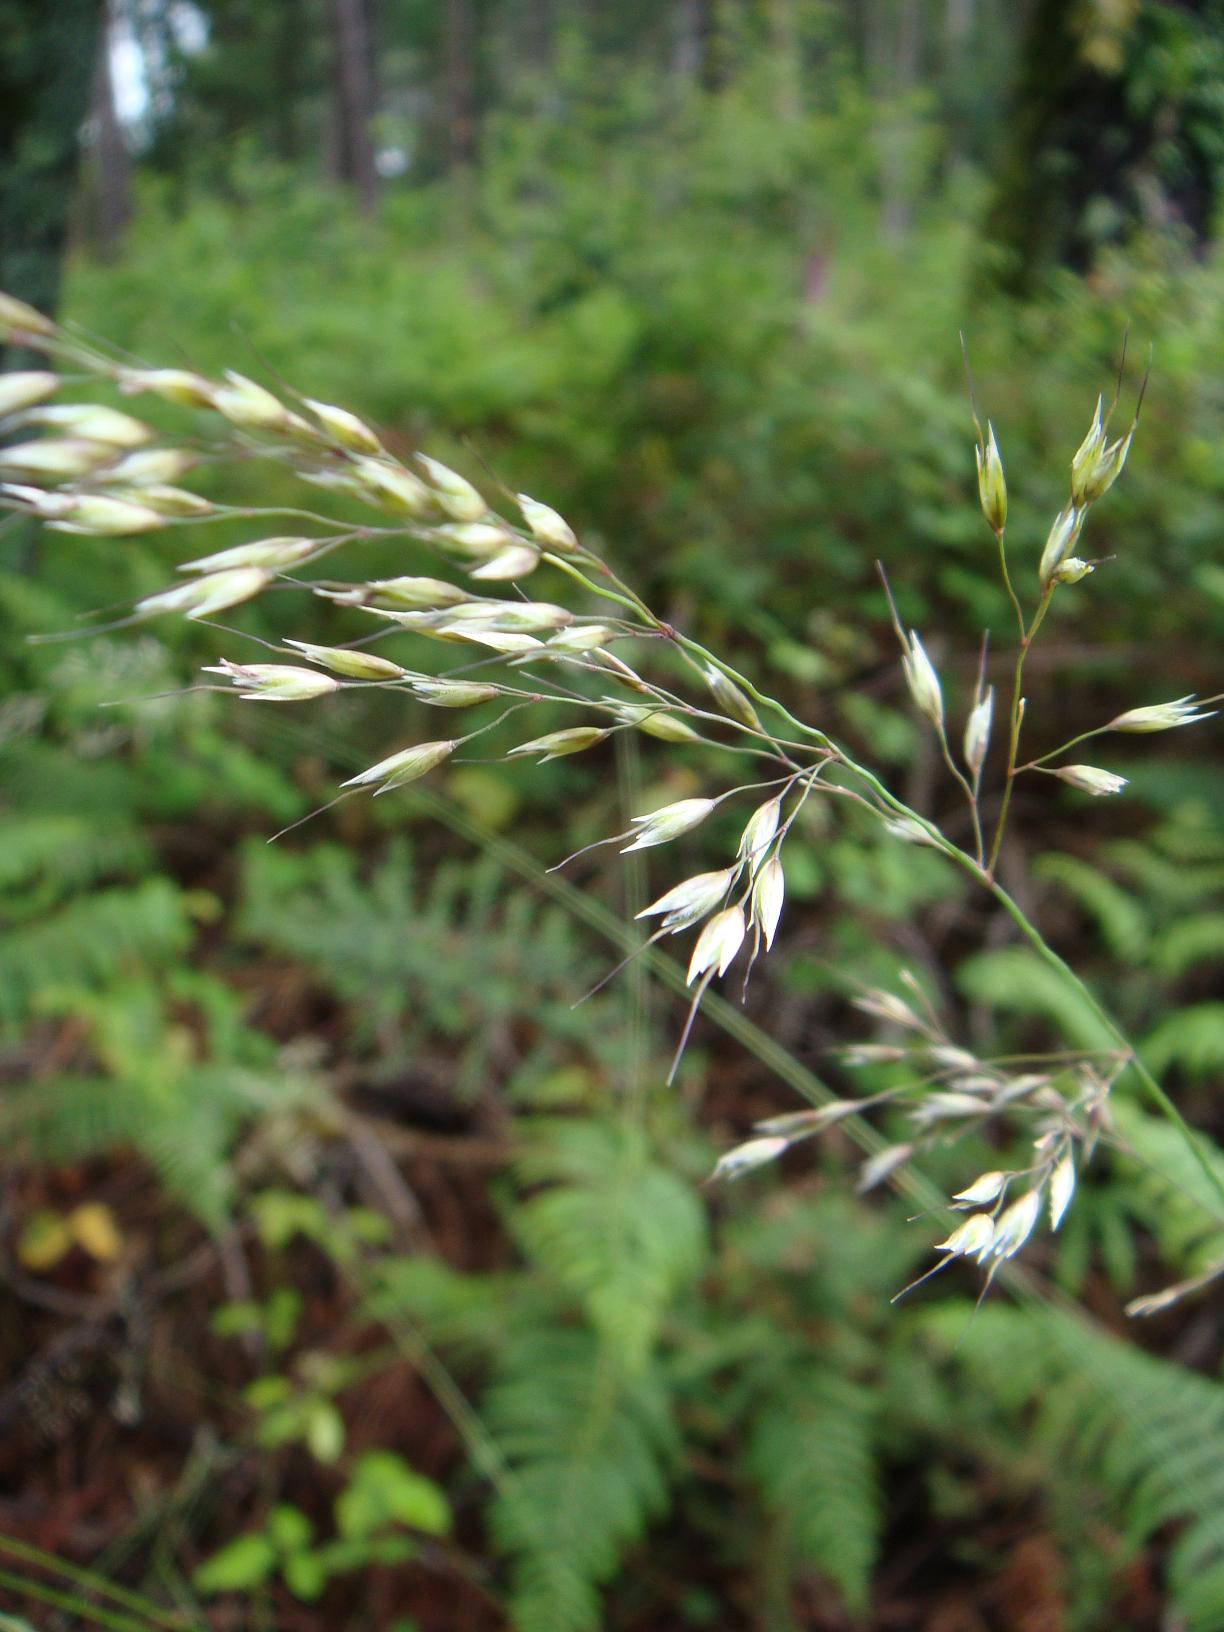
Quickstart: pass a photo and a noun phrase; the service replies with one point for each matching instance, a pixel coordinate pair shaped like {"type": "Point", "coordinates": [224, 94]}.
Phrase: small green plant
{"type": "Point", "coordinates": [382, 1500]}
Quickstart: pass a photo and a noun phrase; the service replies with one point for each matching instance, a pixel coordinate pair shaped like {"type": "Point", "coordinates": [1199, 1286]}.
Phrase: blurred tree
{"type": "Point", "coordinates": [48, 56]}
{"type": "Point", "coordinates": [460, 83]}
{"type": "Point", "coordinates": [109, 190]}
{"type": "Point", "coordinates": [1115, 124]}
{"type": "Point", "coordinates": [354, 98]}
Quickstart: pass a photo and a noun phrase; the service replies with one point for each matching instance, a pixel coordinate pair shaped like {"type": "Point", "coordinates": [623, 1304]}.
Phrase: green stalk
{"type": "Point", "coordinates": [90, 1581]}
{"type": "Point", "coordinates": [984, 877]}
{"type": "Point", "coordinates": [70, 1603]}
{"type": "Point", "coordinates": [1017, 716]}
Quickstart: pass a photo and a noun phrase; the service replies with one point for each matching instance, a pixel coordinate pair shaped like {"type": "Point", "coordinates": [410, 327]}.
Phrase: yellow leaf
{"type": "Point", "coordinates": [43, 1242]}
{"type": "Point", "coordinates": [93, 1227]}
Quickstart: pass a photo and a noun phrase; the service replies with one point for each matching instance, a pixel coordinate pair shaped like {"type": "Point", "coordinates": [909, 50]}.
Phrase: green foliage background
{"type": "Point", "coordinates": [676, 318]}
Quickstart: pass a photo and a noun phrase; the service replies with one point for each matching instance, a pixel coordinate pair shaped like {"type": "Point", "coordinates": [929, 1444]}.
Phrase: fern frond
{"type": "Point", "coordinates": [1191, 1037]}
{"type": "Point", "coordinates": [463, 1313]}
{"type": "Point", "coordinates": [91, 941]}
{"type": "Point", "coordinates": [388, 944]}
{"type": "Point", "coordinates": [591, 1451]}
{"type": "Point", "coordinates": [1121, 920]}
{"type": "Point", "coordinates": [61, 1119]}
{"type": "Point", "coordinates": [1196, 939]}
{"type": "Point", "coordinates": [616, 1230]}
{"type": "Point", "coordinates": [1017, 981]}
{"type": "Point", "coordinates": [812, 1455]}
{"type": "Point", "coordinates": [1146, 1433]}
{"type": "Point", "coordinates": [1165, 1187]}
{"type": "Point", "coordinates": [1163, 879]}
{"type": "Point", "coordinates": [45, 858]}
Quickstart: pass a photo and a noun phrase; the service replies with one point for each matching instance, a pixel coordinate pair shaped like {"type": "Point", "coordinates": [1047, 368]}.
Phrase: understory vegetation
{"type": "Point", "coordinates": [357, 1274]}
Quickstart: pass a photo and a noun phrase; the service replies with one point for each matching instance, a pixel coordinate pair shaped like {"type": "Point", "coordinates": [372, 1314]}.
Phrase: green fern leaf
{"type": "Point", "coordinates": [1192, 940]}
{"type": "Point", "coordinates": [47, 857]}
{"type": "Point", "coordinates": [1146, 1433]}
{"type": "Point", "coordinates": [1166, 1188]}
{"type": "Point", "coordinates": [91, 941]}
{"type": "Point", "coordinates": [613, 1228]}
{"type": "Point", "coordinates": [590, 1451]}
{"type": "Point", "coordinates": [811, 1453]}
{"type": "Point", "coordinates": [1016, 980]}
{"type": "Point", "coordinates": [1190, 1037]}
{"type": "Point", "coordinates": [1121, 920]}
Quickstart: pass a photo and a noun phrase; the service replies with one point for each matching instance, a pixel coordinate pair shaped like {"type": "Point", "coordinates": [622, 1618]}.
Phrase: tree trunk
{"type": "Point", "coordinates": [1097, 143]}
{"type": "Point", "coordinates": [460, 83]}
{"type": "Point", "coordinates": [691, 24]}
{"type": "Point", "coordinates": [47, 58]}
{"type": "Point", "coordinates": [355, 100]}
{"type": "Point", "coordinates": [110, 167]}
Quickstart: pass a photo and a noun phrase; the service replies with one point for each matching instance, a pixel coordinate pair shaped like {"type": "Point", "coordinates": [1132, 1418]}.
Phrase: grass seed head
{"type": "Point", "coordinates": [746, 1158]}
{"type": "Point", "coordinates": [95, 422]}
{"type": "Point", "coordinates": [718, 943]}
{"type": "Point", "coordinates": [274, 682]}
{"type": "Point", "coordinates": [273, 553]}
{"type": "Point", "coordinates": [203, 596]}
{"type": "Point", "coordinates": [546, 526]}
{"type": "Point", "coordinates": [399, 594]}
{"type": "Point", "coordinates": [730, 698]}
{"type": "Point", "coordinates": [345, 428]}
{"type": "Point", "coordinates": [986, 1187]}
{"type": "Point", "coordinates": [1062, 1188]}
{"type": "Point", "coordinates": [1091, 779]}
{"type": "Point", "coordinates": [1073, 570]}
{"type": "Point", "coordinates": [581, 637]}
{"type": "Point", "coordinates": [668, 822]}
{"type": "Point", "coordinates": [657, 722]}
{"type": "Point", "coordinates": [1015, 1224]}
{"type": "Point", "coordinates": [454, 493]}
{"type": "Point", "coordinates": [975, 1238]}
{"type": "Point", "coordinates": [177, 385]}
{"type": "Point", "coordinates": [1060, 541]}
{"type": "Point", "coordinates": [57, 459]}
{"type": "Point", "coordinates": [474, 540]}
{"type": "Point", "coordinates": [17, 320]}
{"type": "Point", "coordinates": [454, 693]}
{"type": "Point", "coordinates": [102, 516]}
{"type": "Point", "coordinates": [250, 406]}
{"type": "Point", "coordinates": [25, 388]}
{"type": "Point", "coordinates": [515, 561]}
{"type": "Point", "coordinates": [689, 901]}
{"type": "Point", "coordinates": [977, 732]}
{"type": "Point", "coordinates": [759, 833]}
{"type": "Point", "coordinates": [391, 486]}
{"type": "Point", "coordinates": [768, 894]}
{"type": "Point", "coordinates": [881, 1166]}
{"type": "Point", "coordinates": [1161, 716]}
{"type": "Point", "coordinates": [923, 681]}
{"type": "Point", "coordinates": [354, 665]}
{"type": "Point", "coordinates": [1087, 457]}
{"type": "Point", "coordinates": [558, 744]}
{"type": "Point", "coordinates": [406, 766]}
{"type": "Point", "coordinates": [992, 486]}
{"type": "Point", "coordinates": [150, 466]}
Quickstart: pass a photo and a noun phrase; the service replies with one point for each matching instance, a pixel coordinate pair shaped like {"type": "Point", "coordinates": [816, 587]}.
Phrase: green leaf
{"type": "Point", "coordinates": [306, 1574]}
{"type": "Point", "coordinates": [619, 1232]}
{"type": "Point", "coordinates": [1017, 981]}
{"type": "Point", "coordinates": [324, 1428]}
{"type": "Point", "coordinates": [812, 1454]}
{"type": "Point", "coordinates": [288, 1529]}
{"type": "Point", "coordinates": [385, 1490]}
{"type": "Point", "coordinates": [243, 1564]}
